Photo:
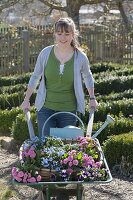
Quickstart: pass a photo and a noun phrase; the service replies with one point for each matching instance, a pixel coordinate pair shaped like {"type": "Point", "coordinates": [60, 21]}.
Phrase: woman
{"type": "Point", "coordinates": [61, 68]}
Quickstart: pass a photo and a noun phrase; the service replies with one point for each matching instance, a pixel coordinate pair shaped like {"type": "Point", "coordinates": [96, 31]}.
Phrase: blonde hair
{"type": "Point", "coordinates": [67, 24]}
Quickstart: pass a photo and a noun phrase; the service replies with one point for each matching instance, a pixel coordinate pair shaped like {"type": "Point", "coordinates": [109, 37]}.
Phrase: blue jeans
{"type": "Point", "coordinates": [58, 121]}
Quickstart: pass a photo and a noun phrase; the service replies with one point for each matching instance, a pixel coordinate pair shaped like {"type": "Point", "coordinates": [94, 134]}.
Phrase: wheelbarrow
{"type": "Point", "coordinates": [63, 190]}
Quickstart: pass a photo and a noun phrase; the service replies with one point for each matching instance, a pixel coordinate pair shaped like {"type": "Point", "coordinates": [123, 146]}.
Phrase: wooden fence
{"type": "Point", "coordinates": [19, 47]}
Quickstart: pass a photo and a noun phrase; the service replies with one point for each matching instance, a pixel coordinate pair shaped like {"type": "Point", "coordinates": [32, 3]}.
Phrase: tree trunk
{"type": "Point", "coordinates": [124, 17]}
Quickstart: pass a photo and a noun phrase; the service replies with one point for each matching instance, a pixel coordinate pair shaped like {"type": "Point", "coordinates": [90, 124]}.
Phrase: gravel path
{"type": "Point", "coordinates": [118, 189]}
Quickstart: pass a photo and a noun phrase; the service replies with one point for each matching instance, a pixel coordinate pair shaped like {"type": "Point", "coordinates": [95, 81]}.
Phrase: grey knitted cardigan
{"type": "Point", "coordinates": [82, 73]}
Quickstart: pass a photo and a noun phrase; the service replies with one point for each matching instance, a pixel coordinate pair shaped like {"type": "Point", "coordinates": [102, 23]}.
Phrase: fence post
{"type": "Point", "coordinates": [25, 35]}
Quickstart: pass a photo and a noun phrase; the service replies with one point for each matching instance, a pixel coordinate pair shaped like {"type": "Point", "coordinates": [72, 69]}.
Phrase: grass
{"type": "Point", "coordinates": [6, 192]}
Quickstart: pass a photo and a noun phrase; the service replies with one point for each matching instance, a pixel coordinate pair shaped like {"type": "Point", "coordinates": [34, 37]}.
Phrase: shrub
{"type": "Point", "coordinates": [6, 119]}
{"type": "Point", "coordinates": [8, 101]}
{"type": "Point", "coordinates": [13, 80]}
{"type": "Point", "coordinates": [116, 96]}
{"type": "Point", "coordinates": [113, 84]}
{"type": "Point", "coordinates": [121, 125]}
{"type": "Point", "coordinates": [19, 128]}
{"type": "Point", "coordinates": [117, 147]}
{"type": "Point", "coordinates": [113, 108]}
{"type": "Point", "coordinates": [13, 88]}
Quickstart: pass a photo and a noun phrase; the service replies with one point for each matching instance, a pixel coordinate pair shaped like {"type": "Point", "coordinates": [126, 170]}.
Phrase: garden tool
{"type": "Point", "coordinates": [90, 123]}
{"type": "Point", "coordinates": [29, 123]}
{"type": "Point", "coordinates": [108, 121]}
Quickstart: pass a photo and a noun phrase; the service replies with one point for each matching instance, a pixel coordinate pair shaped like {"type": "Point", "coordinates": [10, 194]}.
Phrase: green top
{"type": "Point", "coordinates": [60, 87]}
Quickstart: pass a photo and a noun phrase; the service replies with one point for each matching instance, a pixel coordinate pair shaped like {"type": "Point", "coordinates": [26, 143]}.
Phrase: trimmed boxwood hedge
{"type": "Point", "coordinates": [19, 128]}
{"type": "Point", "coordinates": [13, 89]}
{"type": "Point", "coordinates": [13, 80]}
{"type": "Point", "coordinates": [121, 125]}
{"type": "Point", "coordinates": [124, 107]}
{"type": "Point", "coordinates": [8, 101]}
{"type": "Point", "coordinates": [128, 94]}
{"type": "Point", "coordinates": [119, 146]}
{"type": "Point", "coordinates": [114, 84]}
{"type": "Point", "coordinates": [6, 119]}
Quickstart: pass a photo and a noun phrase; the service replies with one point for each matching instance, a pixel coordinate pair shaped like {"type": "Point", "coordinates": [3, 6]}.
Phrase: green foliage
{"type": "Point", "coordinates": [8, 101]}
{"type": "Point", "coordinates": [121, 125]}
{"type": "Point", "coordinates": [113, 108]}
{"type": "Point", "coordinates": [113, 84]}
{"type": "Point", "coordinates": [11, 100]}
{"type": "Point", "coordinates": [7, 118]}
{"type": "Point", "coordinates": [120, 146]}
{"type": "Point", "coordinates": [111, 68]}
{"type": "Point", "coordinates": [128, 94]}
{"type": "Point", "coordinates": [13, 88]}
{"type": "Point", "coordinates": [13, 80]}
{"type": "Point", "coordinates": [19, 128]}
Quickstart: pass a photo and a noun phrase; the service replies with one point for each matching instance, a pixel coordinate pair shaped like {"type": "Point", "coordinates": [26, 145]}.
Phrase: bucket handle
{"type": "Point", "coordinates": [83, 127]}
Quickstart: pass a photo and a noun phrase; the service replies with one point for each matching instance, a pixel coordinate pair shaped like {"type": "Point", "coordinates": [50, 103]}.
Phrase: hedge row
{"type": "Point", "coordinates": [13, 80]}
{"type": "Point", "coordinates": [7, 117]}
{"type": "Point", "coordinates": [114, 108]}
{"type": "Point", "coordinates": [19, 128]}
{"type": "Point", "coordinates": [116, 84]}
{"type": "Point", "coordinates": [116, 73]}
{"type": "Point", "coordinates": [128, 94]}
{"type": "Point", "coordinates": [13, 89]}
{"type": "Point", "coordinates": [103, 67]}
{"type": "Point", "coordinates": [7, 101]}
{"type": "Point", "coordinates": [118, 147]}
{"type": "Point", "coordinates": [119, 126]}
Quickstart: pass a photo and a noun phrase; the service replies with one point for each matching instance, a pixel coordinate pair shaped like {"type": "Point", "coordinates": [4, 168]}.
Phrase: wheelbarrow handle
{"type": "Point", "coordinates": [29, 123]}
{"type": "Point", "coordinates": [90, 122]}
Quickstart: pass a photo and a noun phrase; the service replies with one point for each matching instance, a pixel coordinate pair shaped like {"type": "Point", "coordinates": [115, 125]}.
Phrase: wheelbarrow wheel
{"type": "Point", "coordinates": [62, 197]}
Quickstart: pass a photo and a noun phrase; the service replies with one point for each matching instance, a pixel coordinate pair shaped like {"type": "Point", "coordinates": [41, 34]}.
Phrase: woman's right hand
{"type": "Point", "coordinates": [25, 105]}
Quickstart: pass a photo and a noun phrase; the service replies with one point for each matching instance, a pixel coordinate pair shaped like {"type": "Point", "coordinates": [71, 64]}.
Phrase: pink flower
{"type": "Point", "coordinates": [39, 178]}
{"type": "Point", "coordinates": [29, 175]}
{"type": "Point", "coordinates": [73, 152]}
{"type": "Point", "coordinates": [20, 174]}
{"type": "Point", "coordinates": [98, 164]}
{"type": "Point", "coordinates": [14, 171]}
{"type": "Point", "coordinates": [32, 153]}
{"type": "Point", "coordinates": [18, 178]}
{"type": "Point", "coordinates": [25, 175]}
{"type": "Point", "coordinates": [24, 180]}
{"type": "Point", "coordinates": [31, 180]}
{"type": "Point", "coordinates": [70, 164]}
{"type": "Point", "coordinates": [61, 162]}
{"type": "Point", "coordinates": [32, 148]}
{"type": "Point", "coordinates": [75, 162]}
{"type": "Point", "coordinates": [69, 171]}
{"type": "Point", "coordinates": [65, 161]}
{"type": "Point", "coordinates": [70, 158]}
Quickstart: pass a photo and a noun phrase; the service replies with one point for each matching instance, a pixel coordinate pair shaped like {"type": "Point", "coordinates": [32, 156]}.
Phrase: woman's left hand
{"type": "Point", "coordinates": [93, 103]}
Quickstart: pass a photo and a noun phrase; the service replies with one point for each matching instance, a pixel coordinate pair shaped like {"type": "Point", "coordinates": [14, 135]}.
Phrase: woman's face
{"type": "Point", "coordinates": [63, 38]}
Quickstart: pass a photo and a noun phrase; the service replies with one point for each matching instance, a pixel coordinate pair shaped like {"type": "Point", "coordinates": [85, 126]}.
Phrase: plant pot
{"type": "Point", "coordinates": [46, 174]}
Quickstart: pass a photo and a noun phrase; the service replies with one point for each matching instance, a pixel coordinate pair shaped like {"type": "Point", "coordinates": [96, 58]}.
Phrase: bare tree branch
{"type": "Point", "coordinates": [53, 5]}
{"type": "Point", "coordinates": [123, 14]}
{"type": "Point", "coordinates": [8, 3]}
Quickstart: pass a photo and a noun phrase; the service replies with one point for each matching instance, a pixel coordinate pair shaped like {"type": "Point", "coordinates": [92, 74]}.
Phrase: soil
{"type": "Point", "coordinates": [118, 189]}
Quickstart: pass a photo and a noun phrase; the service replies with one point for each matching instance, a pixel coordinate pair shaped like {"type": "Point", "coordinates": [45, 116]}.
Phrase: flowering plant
{"type": "Point", "coordinates": [78, 161]}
